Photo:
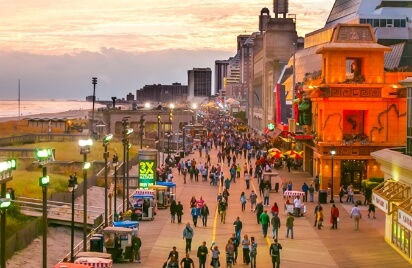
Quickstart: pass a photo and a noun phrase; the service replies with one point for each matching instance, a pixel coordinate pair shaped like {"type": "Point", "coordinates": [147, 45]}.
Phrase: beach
{"type": "Point", "coordinates": [71, 114]}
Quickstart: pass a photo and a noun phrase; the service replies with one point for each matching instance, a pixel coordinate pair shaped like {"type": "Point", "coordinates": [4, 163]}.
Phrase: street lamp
{"type": "Point", "coordinates": [115, 162]}
{"type": "Point", "coordinates": [106, 141]}
{"type": "Point", "coordinates": [94, 82]}
{"type": "Point", "coordinates": [5, 175]}
{"type": "Point", "coordinates": [332, 153]}
{"type": "Point", "coordinates": [84, 150]}
{"type": "Point", "coordinates": [72, 188]}
{"type": "Point", "coordinates": [44, 156]}
{"type": "Point", "coordinates": [126, 132]}
{"type": "Point", "coordinates": [141, 130]}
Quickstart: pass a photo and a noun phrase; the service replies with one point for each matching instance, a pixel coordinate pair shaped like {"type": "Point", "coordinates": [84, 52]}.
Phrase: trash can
{"type": "Point", "coordinates": [101, 237]}
{"type": "Point", "coordinates": [182, 154]}
{"type": "Point", "coordinates": [323, 197]}
{"type": "Point", "coordinates": [95, 244]}
{"type": "Point", "coordinates": [277, 186]}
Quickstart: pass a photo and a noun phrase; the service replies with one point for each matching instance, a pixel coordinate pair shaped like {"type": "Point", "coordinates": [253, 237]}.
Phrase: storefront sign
{"type": "Point", "coordinates": [303, 137]}
{"type": "Point", "coordinates": [405, 219]}
{"type": "Point", "coordinates": [146, 173]}
{"type": "Point", "coordinates": [379, 202]}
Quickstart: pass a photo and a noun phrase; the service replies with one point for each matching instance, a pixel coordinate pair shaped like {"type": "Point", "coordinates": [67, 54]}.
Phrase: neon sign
{"type": "Point", "coordinates": [146, 173]}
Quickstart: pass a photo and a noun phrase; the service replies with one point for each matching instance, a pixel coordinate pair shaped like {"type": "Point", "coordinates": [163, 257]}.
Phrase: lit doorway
{"type": "Point", "coordinates": [353, 172]}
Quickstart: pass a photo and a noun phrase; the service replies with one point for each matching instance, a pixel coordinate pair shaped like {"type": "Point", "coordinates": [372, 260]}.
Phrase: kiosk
{"type": "Point", "coordinates": [171, 190]}
{"type": "Point", "coordinates": [274, 180]}
{"type": "Point", "coordinates": [144, 204]}
{"type": "Point", "coordinates": [290, 208]}
{"type": "Point", "coordinates": [161, 190]}
{"type": "Point", "coordinates": [116, 242]}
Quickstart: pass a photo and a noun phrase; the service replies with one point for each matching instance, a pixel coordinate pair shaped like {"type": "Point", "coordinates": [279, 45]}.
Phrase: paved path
{"type": "Point", "coordinates": [310, 247]}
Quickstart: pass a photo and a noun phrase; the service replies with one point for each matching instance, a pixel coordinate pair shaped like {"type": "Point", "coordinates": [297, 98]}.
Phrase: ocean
{"type": "Point", "coordinates": [32, 107]}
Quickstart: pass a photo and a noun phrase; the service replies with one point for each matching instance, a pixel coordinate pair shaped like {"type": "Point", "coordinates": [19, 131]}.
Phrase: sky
{"type": "Point", "coordinates": [56, 47]}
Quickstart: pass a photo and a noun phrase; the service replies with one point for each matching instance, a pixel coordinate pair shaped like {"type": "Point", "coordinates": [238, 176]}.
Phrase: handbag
{"type": "Point", "coordinates": [338, 220]}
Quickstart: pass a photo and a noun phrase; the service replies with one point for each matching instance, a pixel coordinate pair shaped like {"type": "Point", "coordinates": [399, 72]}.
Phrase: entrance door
{"type": "Point", "coordinates": [353, 172]}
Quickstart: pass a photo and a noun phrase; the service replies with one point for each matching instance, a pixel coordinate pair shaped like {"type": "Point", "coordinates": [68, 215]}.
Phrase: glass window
{"type": "Point", "coordinates": [370, 21]}
{"type": "Point", "coordinates": [362, 21]}
{"type": "Point", "coordinates": [375, 23]}
{"type": "Point", "coordinates": [396, 23]}
{"type": "Point", "coordinates": [403, 23]}
{"type": "Point", "coordinates": [382, 23]}
{"type": "Point", "coordinates": [389, 21]}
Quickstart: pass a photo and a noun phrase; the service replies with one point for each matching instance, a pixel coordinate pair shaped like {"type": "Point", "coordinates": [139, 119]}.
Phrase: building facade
{"type": "Point", "coordinates": [199, 84]}
{"type": "Point", "coordinates": [173, 93]}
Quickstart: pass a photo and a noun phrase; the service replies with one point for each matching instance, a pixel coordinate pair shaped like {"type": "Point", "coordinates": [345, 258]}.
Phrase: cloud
{"type": "Point", "coordinates": [119, 72]}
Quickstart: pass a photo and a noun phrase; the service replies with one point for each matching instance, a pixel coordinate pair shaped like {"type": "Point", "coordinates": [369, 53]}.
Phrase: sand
{"type": "Point", "coordinates": [58, 239]}
{"type": "Point", "coordinates": [73, 114]}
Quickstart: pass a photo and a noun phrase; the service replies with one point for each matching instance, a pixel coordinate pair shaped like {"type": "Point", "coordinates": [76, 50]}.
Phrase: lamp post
{"type": "Point", "coordinates": [106, 141]}
{"type": "Point", "coordinates": [126, 132]}
{"type": "Point", "coordinates": [44, 156]}
{"type": "Point", "coordinates": [72, 188]}
{"type": "Point", "coordinates": [94, 82]}
{"type": "Point", "coordinates": [141, 130]}
{"type": "Point", "coordinates": [5, 175]}
{"type": "Point", "coordinates": [84, 150]}
{"type": "Point", "coordinates": [332, 153]}
{"type": "Point", "coordinates": [115, 162]}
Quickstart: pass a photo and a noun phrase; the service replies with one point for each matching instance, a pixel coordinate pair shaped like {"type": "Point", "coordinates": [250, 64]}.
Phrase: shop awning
{"type": "Point", "coordinates": [405, 213]}
{"type": "Point", "coordinates": [389, 194]}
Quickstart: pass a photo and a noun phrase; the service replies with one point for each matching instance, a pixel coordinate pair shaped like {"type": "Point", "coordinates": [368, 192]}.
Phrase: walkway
{"type": "Point", "coordinates": [310, 247]}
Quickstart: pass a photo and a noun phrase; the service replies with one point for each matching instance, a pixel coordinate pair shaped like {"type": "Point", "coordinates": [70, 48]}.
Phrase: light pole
{"type": "Point", "coordinates": [126, 132]}
{"type": "Point", "coordinates": [94, 82]}
{"type": "Point", "coordinates": [332, 153]}
{"type": "Point", "coordinates": [72, 188]}
{"type": "Point", "coordinates": [141, 130]}
{"type": "Point", "coordinates": [44, 157]}
{"type": "Point", "coordinates": [5, 175]}
{"type": "Point", "coordinates": [84, 150]}
{"type": "Point", "coordinates": [106, 141]}
{"type": "Point", "coordinates": [115, 162]}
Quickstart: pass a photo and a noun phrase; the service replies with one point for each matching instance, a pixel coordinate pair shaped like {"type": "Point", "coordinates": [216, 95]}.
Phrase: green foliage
{"type": "Point", "coordinates": [241, 115]}
{"type": "Point", "coordinates": [15, 220]}
{"type": "Point", "coordinates": [372, 183]}
{"type": "Point", "coordinates": [376, 179]}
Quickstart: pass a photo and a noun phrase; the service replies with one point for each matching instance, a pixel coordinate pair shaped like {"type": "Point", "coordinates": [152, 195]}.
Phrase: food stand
{"type": "Point", "coordinates": [117, 241]}
{"type": "Point", "coordinates": [144, 204]}
{"type": "Point", "coordinates": [162, 201]}
{"type": "Point", "coordinates": [71, 265]}
{"type": "Point", "coordinates": [171, 190]}
{"type": "Point", "coordinates": [290, 208]}
{"type": "Point", "coordinates": [95, 262]}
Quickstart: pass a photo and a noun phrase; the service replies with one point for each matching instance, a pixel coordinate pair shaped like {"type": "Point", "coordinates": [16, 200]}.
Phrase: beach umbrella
{"type": "Point", "coordinates": [273, 150]}
{"type": "Point", "coordinates": [277, 155]}
{"type": "Point", "coordinates": [290, 152]}
{"type": "Point", "coordinates": [296, 156]}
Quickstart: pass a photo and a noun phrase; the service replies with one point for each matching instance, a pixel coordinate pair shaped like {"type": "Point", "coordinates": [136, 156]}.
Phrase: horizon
{"type": "Point", "coordinates": [55, 48]}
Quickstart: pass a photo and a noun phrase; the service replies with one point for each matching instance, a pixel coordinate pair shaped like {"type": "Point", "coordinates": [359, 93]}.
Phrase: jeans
{"type": "Point", "coordinates": [136, 254]}
{"type": "Point", "coordinates": [237, 233]}
{"type": "Point", "coordinates": [291, 232]}
{"type": "Point", "coordinates": [202, 262]}
{"type": "Point", "coordinates": [252, 260]}
{"type": "Point", "coordinates": [276, 261]}
{"type": "Point", "coordinates": [188, 244]}
{"type": "Point", "coordinates": [195, 221]}
{"type": "Point", "coordinates": [247, 184]}
{"type": "Point", "coordinates": [223, 216]}
{"type": "Point", "coordinates": [266, 200]}
{"type": "Point", "coordinates": [275, 231]}
{"type": "Point", "coordinates": [243, 206]}
{"type": "Point", "coordinates": [246, 256]}
{"type": "Point", "coordinates": [311, 197]}
{"type": "Point", "coordinates": [265, 229]}
{"type": "Point", "coordinates": [179, 218]}
{"type": "Point", "coordinates": [334, 222]}
{"type": "Point", "coordinates": [204, 220]}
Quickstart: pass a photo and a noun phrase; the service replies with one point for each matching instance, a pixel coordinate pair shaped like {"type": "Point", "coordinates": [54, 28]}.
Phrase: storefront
{"type": "Point", "coordinates": [393, 198]}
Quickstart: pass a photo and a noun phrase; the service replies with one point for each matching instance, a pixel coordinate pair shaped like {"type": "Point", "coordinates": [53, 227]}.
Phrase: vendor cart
{"type": "Point", "coordinates": [95, 262]}
{"type": "Point", "coordinates": [162, 201]}
{"type": "Point", "coordinates": [117, 241]}
{"type": "Point", "coordinates": [71, 265]}
{"type": "Point", "coordinates": [144, 204]}
{"type": "Point", "coordinates": [171, 190]}
{"type": "Point", "coordinates": [289, 203]}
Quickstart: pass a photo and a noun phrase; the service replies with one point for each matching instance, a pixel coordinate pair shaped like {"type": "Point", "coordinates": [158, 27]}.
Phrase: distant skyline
{"type": "Point", "coordinates": [56, 47]}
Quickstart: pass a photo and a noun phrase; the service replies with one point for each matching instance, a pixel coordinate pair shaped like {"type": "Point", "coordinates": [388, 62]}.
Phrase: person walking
{"type": "Point", "coordinates": [215, 263]}
{"type": "Point", "coordinates": [238, 227]}
{"type": "Point", "coordinates": [341, 193]}
{"type": "Point", "coordinates": [246, 251]}
{"type": "Point", "coordinates": [305, 189]}
{"type": "Point", "coordinates": [247, 180]}
{"type": "Point", "coordinates": [230, 250]}
{"type": "Point", "coordinates": [179, 212]}
{"type": "Point", "coordinates": [253, 252]}
{"type": "Point", "coordinates": [320, 217]}
{"type": "Point", "coordinates": [371, 208]}
{"type": "Point", "coordinates": [253, 199]}
{"type": "Point", "coordinates": [173, 207]}
{"type": "Point", "coordinates": [316, 181]}
{"type": "Point", "coordinates": [184, 173]}
{"type": "Point", "coordinates": [275, 221]}
{"type": "Point", "coordinates": [311, 190]}
{"type": "Point", "coordinates": [173, 263]}
{"type": "Point", "coordinates": [243, 201]}
{"type": "Point", "coordinates": [188, 234]}
{"type": "Point", "coordinates": [265, 221]}
{"type": "Point", "coordinates": [187, 262]}
{"type": "Point", "coordinates": [351, 193]}
{"type": "Point", "coordinates": [289, 226]}
{"type": "Point", "coordinates": [204, 213]}
{"type": "Point", "coordinates": [274, 251]}
{"type": "Point", "coordinates": [334, 214]}
{"type": "Point", "coordinates": [316, 213]}
{"type": "Point", "coordinates": [236, 243]}
{"type": "Point", "coordinates": [266, 194]}
{"type": "Point", "coordinates": [357, 215]}
{"type": "Point", "coordinates": [137, 244]}
{"type": "Point", "coordinates": [173, 254]}
{"type": "Point", "coordinates": [259, 211]}
{"type": "Point", "coordinates": [202, 252]}
{"type": "Point", "coordinates": [222, 209]}
{"type": "Point", "coordinates": [274, 210]}
{"type": "Point", "coordinates": [195, 214]}
{"type": "Point", "coordinates": [262, 186]}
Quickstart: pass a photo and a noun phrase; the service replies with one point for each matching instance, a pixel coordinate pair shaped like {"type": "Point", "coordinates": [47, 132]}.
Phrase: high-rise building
{"type": "Point", "coordinates": [221, 71]}
{"type": "Point", "coordinates": [162, 93]}
{"type": "Point", "coordinates": [199, 84]}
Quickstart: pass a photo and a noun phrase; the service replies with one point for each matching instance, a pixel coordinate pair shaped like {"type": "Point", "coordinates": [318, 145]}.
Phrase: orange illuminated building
{"type": "Point", "coordinates": [354, 105]}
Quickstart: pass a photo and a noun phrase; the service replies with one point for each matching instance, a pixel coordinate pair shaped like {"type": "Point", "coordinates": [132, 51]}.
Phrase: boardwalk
{"type": "Point", "coordinates": [310, 247]}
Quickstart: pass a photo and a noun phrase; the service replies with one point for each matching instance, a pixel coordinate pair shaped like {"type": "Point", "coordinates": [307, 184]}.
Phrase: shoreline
{"type": "Point", "coordinates": [71, 114]}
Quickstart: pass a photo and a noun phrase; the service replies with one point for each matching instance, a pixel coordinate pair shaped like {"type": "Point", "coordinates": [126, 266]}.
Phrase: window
{"type": "Point", "coordinates": [403, 23]}
{"type": "Point", "coordinates": [370, 21]}
{"type": "Point", "coordinates": [353, 68]}
{"type": "Point", "coordinates": [382, 23]}
{"type": "Point", "coordinates": [375, 23]}
{"type": "Point", "coordinates": [353, 121]}
{"type": "Point", "coordinates": [396, 23]}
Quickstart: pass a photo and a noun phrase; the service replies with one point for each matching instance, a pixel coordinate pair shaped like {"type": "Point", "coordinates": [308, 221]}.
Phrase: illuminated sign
{"type": "Point", "coordinates": [271, 126]}
{"type": "Point", "coordinates": [303, 137]}
{"type": "Point", "coordinates": [379, 202]}
{"type": "Point", "coordinates": [146, 173]}
{"type": "Point", "coordinates": [405, 219]}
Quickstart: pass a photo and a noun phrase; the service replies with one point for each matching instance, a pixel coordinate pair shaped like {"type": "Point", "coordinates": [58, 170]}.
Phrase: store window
{"type": "Point", "coordinates": [401, 237]}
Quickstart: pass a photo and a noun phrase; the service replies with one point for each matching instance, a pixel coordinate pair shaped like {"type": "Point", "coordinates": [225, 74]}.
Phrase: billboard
{"type": "Point", "coordinates": [146, 173]}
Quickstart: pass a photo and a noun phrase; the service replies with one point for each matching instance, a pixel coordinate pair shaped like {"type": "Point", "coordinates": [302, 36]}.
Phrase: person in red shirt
{"type": "Point", "coordinates": [275, 209]}
{"type": "Point", "coordinates": [334, 214]}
